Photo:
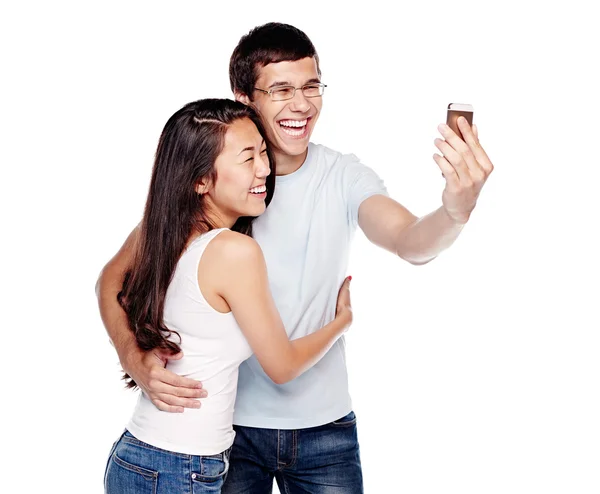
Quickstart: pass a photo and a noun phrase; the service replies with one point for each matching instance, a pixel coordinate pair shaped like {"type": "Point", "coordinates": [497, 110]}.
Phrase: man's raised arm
{"type": "Point", "coordinates": [466, 167]}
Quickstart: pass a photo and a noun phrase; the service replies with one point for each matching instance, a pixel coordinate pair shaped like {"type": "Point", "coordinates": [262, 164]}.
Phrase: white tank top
{"type": "Point", "coordinates": [213, 348]}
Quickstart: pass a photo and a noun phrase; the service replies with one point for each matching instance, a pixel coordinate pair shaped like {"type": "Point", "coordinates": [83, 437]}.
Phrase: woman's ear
{"type": "Point", "coordinates": [202, 187]}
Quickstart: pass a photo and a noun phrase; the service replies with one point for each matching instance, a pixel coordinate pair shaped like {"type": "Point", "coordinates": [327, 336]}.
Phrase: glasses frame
{"type": "Point", "coordinates": [276, 88]}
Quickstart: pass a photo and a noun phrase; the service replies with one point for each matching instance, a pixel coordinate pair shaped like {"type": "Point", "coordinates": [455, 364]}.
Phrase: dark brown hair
{"type": "Point", "coordinates": [187, 150]}
{"type": "Point", "coordinates": [270, 43]}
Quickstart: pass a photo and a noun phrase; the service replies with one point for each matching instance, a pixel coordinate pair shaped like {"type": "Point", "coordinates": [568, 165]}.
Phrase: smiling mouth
{"type": "Point", "coordinates": [294, 128]}
{"type": "Point", "coordinates": [261, 189]}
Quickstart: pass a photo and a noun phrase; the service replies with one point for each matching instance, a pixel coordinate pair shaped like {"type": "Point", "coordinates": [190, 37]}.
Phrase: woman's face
{"type": "Point", "coordinates": [242, 169]}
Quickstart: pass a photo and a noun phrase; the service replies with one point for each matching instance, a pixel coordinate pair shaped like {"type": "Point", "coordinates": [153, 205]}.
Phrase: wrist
{"type": "Point", "coordinates": [130, 356]}
{"type": "Point", "coordinates": [345, 317]}
{"type": "Point", "coordinates": [456, 218]}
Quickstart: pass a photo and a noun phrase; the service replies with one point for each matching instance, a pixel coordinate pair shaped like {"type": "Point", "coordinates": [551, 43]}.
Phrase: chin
{"type": "Point", "coordinates": [295, 148]}
{"type": "Point", "coordinates": [255, 211]}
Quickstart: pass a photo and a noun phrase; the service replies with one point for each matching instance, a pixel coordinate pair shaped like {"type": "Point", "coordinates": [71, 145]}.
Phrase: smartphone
{"type": "Point", "coordinates": [456, 110]}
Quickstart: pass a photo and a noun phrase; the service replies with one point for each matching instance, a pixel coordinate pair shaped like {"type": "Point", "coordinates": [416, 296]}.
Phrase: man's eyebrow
{"type": "Point", "coordinates": [280, 83]}
{"type": "Point", "coordinates": [314, 80]}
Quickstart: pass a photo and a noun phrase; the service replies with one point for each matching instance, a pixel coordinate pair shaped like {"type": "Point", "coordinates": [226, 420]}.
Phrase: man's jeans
{"type": "Point", "coordinates": [317, 460]}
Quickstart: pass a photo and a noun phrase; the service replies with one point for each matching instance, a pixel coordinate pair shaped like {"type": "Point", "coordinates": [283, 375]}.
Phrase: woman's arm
{"type": "Point", "coordinates": [244, 285]}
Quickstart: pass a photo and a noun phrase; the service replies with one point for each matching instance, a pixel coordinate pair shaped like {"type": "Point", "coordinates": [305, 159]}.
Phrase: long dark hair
{"type": "Point", "coordinates": [187, 150]}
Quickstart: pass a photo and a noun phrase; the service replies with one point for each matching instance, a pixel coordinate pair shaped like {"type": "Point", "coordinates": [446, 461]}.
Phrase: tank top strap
{"type": "Point", "coordinates": [200, 243]}
{"type": "Point", "coordinates": [185, 278]}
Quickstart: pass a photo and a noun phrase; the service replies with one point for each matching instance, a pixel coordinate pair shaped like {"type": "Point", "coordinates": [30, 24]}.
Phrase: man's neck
{"type": "Point", "coordinates": [287, 164]}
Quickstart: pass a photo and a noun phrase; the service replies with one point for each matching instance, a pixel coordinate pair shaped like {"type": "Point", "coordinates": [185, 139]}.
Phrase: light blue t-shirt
{"type": "Point", "coordinates": [305, 235]}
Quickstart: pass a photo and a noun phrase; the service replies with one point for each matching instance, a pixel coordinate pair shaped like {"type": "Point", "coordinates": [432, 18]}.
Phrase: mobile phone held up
{"type": "Point", "coordinates": [456, 110]}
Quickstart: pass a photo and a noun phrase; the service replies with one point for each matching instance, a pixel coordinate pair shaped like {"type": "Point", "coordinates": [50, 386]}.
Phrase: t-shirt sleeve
{"type": "Point", "coordinates": [360, 183]}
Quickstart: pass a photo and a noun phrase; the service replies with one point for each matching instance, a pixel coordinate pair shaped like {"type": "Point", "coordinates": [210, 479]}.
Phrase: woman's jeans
{"type": "Point", "coordinates": [135, 467]}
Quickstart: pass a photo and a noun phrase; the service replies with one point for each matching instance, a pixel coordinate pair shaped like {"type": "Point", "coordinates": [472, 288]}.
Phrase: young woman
{"type": "Point", "coordinates": [199, 285]}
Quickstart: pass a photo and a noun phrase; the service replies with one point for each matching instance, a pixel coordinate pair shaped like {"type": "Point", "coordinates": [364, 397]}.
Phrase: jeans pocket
{"type": "Point", "coordinates": [110, 455]}
{"type": "Point", "coordinates": [346, 421]}
{"type": "Point", "coordinates": [212, 469]}
{"type": "Point", "coordinates": [123, 477]}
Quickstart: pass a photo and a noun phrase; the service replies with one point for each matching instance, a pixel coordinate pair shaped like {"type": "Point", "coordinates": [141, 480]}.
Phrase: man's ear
{"type": "Point", "coordinates": [242, 98]}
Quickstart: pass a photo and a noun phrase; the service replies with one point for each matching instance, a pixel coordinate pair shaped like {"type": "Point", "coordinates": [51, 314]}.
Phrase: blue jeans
{"type": "Point", "coordinates": [135, 467]}
{"type": "Point", "coordinates": [317, 460]}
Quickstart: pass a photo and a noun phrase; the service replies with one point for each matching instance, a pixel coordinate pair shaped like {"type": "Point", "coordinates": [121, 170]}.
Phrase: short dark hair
{"type": "Point", "coordinates": [270, 43]}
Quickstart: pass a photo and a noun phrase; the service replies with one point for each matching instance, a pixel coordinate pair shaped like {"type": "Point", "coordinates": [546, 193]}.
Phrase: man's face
{"type": "Point", "coordinates": [289, 124]}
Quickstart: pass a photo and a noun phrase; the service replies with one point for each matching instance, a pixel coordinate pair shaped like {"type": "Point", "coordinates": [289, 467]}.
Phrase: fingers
{"type": "Point", "coordinates": [163, 407]}
{"type": "Point", "coordinates": [448, 171]}
{"type": "Point", "coordinates": [458, 152]}
{"type": "Point", "coordinates": [467, 157]}
{"type": "Point", "coordinates": [165, 381]}
{"type": "Point", "coordinates": [344, 305]}
{"type": "Point", "coordinates": [345, 288]}
{"type": "Point", "coordinates": [167, 390]}
{"type": "Point", "coordinates": [454, 159]}
{"type": "Point", "coordinates": [171, 393]}
{"type": "Point", "coordinates": [157, 387]}
{"type": "Point", "coordinates": [169, 400]}
{"type": "Point", "coordinates": [168, 356]}
{"type": "Point", "coordinates": [472, 140]}
{"type": "Point", "coordinates": [344, 293]}
{"type": "Point", "coordinates": [168, 377]}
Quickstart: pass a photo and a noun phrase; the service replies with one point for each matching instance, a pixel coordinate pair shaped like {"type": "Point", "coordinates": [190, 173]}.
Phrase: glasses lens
{"type": "Point", "coordinates": [313, 90]}
{"type": "Point", "coordinates": [282, 93]}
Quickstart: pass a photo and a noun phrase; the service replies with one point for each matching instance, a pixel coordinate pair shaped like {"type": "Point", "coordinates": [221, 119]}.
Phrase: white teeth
{"type": "Point", "coordinates": [259, 190]}
{"type": "Point", "coordinates": [292, 132]}
{"type": "Point", "coordinates": [293, 123]}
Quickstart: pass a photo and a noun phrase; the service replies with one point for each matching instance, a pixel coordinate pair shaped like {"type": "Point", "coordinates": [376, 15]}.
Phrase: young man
{"type": "Point", "coordinates": [304, 433]}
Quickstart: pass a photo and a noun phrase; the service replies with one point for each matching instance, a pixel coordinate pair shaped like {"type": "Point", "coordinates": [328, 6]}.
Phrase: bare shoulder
{"type": "Point", "coordinates": [235, 264]}
{"type": "Point", "coordinates": [233, 245]}
{"type": "Point", "coordinates": [231, 249]}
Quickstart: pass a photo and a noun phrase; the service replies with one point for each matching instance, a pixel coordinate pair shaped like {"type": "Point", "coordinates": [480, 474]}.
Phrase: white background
{"type": "Point", "coordinates": [477, 373]}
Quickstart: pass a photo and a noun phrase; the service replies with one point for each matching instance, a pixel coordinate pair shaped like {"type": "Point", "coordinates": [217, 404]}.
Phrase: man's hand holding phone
{"type": "Point", "coordinates": [464, 163]}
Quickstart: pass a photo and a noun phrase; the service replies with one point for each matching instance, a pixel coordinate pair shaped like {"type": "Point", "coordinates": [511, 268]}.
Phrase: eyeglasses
{"type": "Point", "coordinates": [282, 93]}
